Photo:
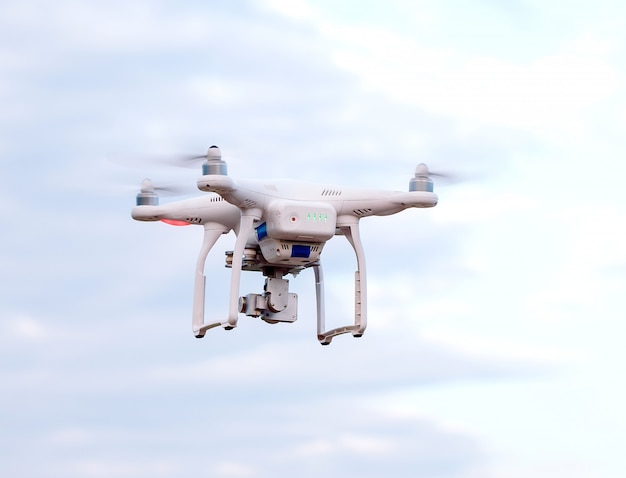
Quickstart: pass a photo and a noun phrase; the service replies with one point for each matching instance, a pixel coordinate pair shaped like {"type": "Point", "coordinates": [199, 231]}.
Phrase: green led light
{"type": "Point", "coordinates": [314, 216]}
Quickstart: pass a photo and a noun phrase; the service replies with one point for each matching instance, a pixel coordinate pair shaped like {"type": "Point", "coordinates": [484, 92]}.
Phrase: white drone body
{"type": "Point", "coordinates": [281, 228]}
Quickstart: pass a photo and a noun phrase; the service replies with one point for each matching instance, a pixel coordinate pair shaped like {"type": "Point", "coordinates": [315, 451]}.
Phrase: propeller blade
{"type": "Point", "coordinates": [172, 191]}
{"type": "Point", "coordinates": [141, 161]}
{"type": "Point", "coordinates": [446, 176]}
{"type": "Point", "coordinates": [147, 186]}
{"type": "Point", "coordinates": [181, 160]}
{"type": "Point", "coordinates": [423, 171]}
{"type": "Point", "coordinates": [191, 161]}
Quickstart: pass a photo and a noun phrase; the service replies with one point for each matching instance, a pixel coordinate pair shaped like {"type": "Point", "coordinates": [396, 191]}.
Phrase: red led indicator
{"type": "Point", "coordinates": [174, 222]}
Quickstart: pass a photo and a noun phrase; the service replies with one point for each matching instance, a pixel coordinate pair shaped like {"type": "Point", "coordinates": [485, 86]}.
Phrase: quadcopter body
{"type": "Point", "coordinates": [281, 227]}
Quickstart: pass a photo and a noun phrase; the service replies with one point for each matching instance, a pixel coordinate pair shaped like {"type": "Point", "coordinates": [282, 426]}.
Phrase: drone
{"type": "Point", "coordinates": [281, 228]}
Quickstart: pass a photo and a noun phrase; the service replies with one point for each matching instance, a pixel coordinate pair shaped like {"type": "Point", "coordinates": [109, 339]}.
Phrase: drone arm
{"type": "Point", "coordinates": [351, 231]}
{"type": "Point", "coordinates": [212, 232]}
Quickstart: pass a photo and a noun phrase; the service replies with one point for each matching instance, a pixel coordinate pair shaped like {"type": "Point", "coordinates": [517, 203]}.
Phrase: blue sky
{"type": "Point", "coordinates": [494, 345]}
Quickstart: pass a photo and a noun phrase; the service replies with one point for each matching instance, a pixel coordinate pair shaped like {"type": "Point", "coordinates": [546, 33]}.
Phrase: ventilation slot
{"type": "Point", "coordinates": [193, 220]}
{"type": "Point", "coordinates": [362, 212]}
{"type": "Point", "coordinates": [249, 203]}
{"type": "Point", "coordinates": [331, 192]}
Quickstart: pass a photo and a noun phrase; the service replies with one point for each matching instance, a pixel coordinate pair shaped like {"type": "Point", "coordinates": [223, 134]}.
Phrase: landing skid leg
{"type": "Point", "coordinates": [211, 235]}
{"type": "Point", "coordinates": [360, 292]}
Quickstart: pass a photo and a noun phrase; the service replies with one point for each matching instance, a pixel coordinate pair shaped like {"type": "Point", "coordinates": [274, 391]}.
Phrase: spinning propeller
{"type": "Point", "coordinates": [148, 196]}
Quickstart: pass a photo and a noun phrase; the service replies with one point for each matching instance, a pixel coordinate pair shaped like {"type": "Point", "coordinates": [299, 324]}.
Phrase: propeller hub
{"type": "Point", "coordinates": [214, 164]}
{"type": "Point", "coordinates": [146, 195]}
{"type": "Point", "coordinates": [147, 186]}
{"type": "Point", "coordinates": [421, 181]}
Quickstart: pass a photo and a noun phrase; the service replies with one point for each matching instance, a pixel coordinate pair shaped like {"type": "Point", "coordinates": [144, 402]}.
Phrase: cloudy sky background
{"type": "Point", "coordinates": [494, 346]}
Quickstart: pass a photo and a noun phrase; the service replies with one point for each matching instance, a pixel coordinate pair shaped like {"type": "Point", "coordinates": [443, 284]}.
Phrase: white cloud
{"type": "Point", "coordinates": [546, 96]}
{"type": "Point", "coordinates": [215, 91]}
{"type": "Point", "coordinates": [591, 267]}
{"type": "Point", "coordinates": [118, 27]}
{"type": "Point", "coordinates": [295, 9]}
{"type": "Point", "coordinates": [97, 468]}
{"type": "Point", "coordinates": [473, 205]}
{"type": "Point", "coordinates": [25, 328]}
{"type": "Point", "coordinates": [231, 469]}
{"type": "Point", "coordinates": [499, 348]}
{"type": "Point", "coordinates": [367, 444]}
{"type": "Point", "coordinates": [457, 294]}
